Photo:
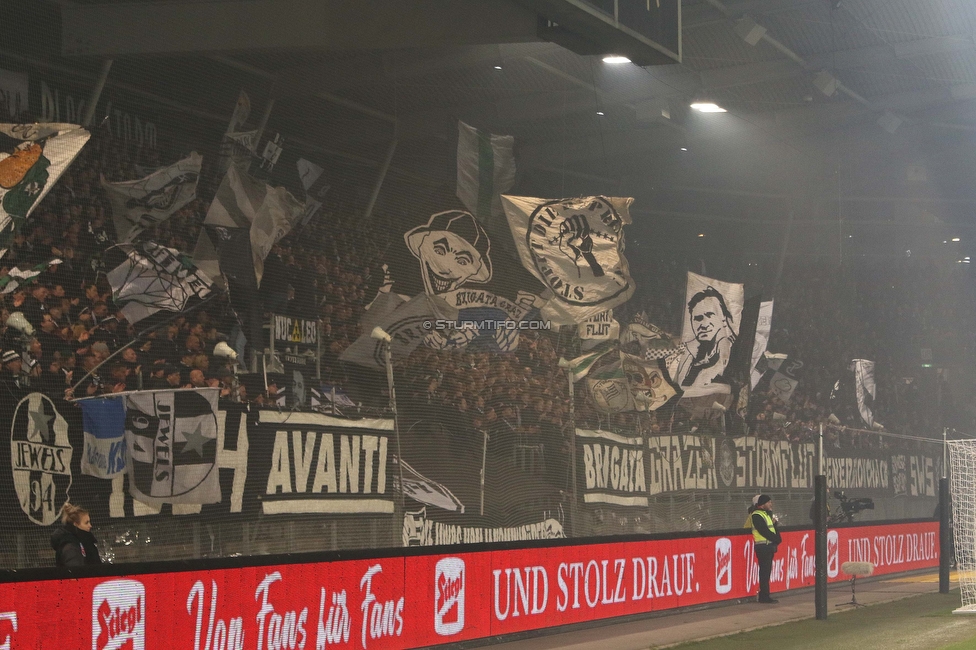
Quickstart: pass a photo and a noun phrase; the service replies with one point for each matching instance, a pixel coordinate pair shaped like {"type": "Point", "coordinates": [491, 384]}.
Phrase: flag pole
{"type": "Point", "coordinates": [568, 367]}
{"type": "Point", "coordinates": [96, 93]}
{"type": "Point", "coordinates": [380, 178]}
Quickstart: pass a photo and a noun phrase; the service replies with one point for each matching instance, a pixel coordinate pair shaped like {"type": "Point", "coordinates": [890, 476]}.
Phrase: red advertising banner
{"type": "Point", "coordinates": [414, 601]}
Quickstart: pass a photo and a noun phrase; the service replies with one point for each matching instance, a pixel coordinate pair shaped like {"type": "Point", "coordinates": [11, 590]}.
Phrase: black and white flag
{"type": "Point", "coordinates": [269, 213]}
{"type": "Point", "coordinates": [155, 278]}
{"type": "Point", "coordinates": [575, 247]}
{"type": "Point", "coordinates": [763, 328]}
{"type": "Point", "coordinates": [234, 149]}
{"type": "Point", "coordinates": [423, 490]}
{"type": "Point", "coordinates": [409, 326]}
{"type": "Point", "coordinates": [313, 182]}
{"type": "Point", "coordinates": [865, 389]}
{"type": "Point", "coordinates": [171, 439]}
{"type": "Point", "coordinates": [711, 325]}
{"type": "Point", "coordinates": [143, 203]}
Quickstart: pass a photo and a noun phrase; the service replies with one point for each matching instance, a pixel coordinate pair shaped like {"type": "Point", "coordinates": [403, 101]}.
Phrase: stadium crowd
{"type": "Point", "coordinates": [331, 269]}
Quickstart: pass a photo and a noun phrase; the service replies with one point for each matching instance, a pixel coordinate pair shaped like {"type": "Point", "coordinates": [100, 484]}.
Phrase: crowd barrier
{"type": "Point", "coordinates": [421, 597]}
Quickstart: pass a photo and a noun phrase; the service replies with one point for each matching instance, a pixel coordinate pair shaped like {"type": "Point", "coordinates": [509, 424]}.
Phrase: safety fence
{"type": "Point", "coordinates": [277, 481]}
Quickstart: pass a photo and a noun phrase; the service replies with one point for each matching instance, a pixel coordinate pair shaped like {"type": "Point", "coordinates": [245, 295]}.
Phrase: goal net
{"type": "Point", "coordinates": [962, 484]}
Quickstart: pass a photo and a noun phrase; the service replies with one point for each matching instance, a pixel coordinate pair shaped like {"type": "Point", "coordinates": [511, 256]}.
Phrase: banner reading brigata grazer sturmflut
{"type": "Point", "coordinates": [422, 600]}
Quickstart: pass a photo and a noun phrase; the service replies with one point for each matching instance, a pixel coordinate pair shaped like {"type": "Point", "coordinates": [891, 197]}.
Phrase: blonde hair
{"type": "Point", "coordinates": [72, 513]}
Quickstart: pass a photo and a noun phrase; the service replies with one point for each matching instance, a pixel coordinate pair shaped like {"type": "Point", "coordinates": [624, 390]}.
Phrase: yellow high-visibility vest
{"type": "Point", "coordinates": [756, 535]}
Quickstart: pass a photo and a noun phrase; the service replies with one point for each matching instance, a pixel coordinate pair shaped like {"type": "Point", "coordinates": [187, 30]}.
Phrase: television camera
{"type": "Point", "coordinates": [849, 507]}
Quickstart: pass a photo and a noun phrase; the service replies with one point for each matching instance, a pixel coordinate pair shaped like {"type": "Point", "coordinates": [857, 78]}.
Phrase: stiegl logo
{"type": "Point", "coordinates": [833, 554]}
{"type": "Point", "coordinates": [449, 596]}
{"type": "Point", "coordinates": [723, 565]}
{"type": "Point", "coordinates": [119, 615]}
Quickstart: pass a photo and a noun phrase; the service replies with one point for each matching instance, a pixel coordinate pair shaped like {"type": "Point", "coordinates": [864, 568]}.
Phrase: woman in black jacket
{"type": "Point", "coordinates": [73, 543]}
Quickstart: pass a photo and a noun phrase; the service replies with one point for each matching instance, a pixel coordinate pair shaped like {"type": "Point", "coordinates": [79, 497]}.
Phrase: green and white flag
{"type": "Point", "coordinates": [17, 277]}
{"type": "Point", "coordinates": [485, 171]}
{"type": "Point", "coordinates": [32, 159]}
{"type": "Point", "coordinates": [609, 386]}
{"type": "Point", "coordinates": [581, 365]}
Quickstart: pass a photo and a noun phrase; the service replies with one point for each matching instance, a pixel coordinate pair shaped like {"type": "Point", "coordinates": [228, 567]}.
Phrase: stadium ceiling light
{"type": "Point", "coordinates": [498, 67]}
{"type": "Point", "coordinates": [708, 107]}
{"type": "Point", "coordinates": [956, 239]}
{"type": "Point", "coordinates": [600, 113]}
{"type": "Point", "coordinates": [615, 59]}
{"type": "Point", "coordinates": [701, 234]}
{"type": "Point", "coordinates": [684, 148]}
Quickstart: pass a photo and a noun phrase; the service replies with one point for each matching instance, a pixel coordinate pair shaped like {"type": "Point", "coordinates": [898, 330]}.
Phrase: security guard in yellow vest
{"type": "Point", "coordinates": [765, 539]}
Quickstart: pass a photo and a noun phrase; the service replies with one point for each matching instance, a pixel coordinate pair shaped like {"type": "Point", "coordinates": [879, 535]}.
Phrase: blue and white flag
{"type": "Point", "coordinates": [104, 424]}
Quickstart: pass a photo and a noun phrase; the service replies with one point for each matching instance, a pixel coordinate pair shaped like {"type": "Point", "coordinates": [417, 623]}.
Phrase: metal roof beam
{"type": "Point", "coordinates": [118, 29]}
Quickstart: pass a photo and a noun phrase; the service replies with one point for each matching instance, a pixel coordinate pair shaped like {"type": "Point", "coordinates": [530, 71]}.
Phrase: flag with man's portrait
{"type": "Point", "coordinates": [711, 318]}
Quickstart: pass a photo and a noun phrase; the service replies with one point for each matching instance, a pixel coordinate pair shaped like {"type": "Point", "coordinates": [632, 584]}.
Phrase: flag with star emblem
{"type": "Point", "coordinates": [32, 158]}
{"type": "Point", "coordinates": [171, 440]}
{"type": "Point", "coordinates": [145, 202]}
{"type": "Point", "coordinates": [40, 458]}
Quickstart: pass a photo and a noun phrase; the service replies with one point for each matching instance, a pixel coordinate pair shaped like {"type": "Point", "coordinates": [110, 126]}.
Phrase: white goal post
{"type": "Point", "coordinates": [962, 487]}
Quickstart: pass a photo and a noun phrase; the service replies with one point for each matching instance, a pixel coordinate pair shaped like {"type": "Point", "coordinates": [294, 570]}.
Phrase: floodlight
{"type": "Point", "coordinates": [708, 107]}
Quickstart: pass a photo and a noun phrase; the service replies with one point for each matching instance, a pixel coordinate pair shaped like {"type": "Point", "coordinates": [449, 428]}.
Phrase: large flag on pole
{"type": "Point", "coordinates": [575, 247]}
{"type": "Point", "coordinates": [32, 159]}
{"type": "Point", "coordinates": [154, 278]}
{"type": "Point", "coordinates": [711, 325]}
{"type": "Point", "coordinates": [409, 325]}
{"type": "Point", "coordinates": [315, 186]}
{"type": "Point", "coordinates": [865, 389]}
{"type": "Point", "coordinates": [268, 212]}
{"type": "Point", "coordinates": [143, 203]}
{"type": "Point", "coordinates": [763, 327]}
{"type": "Point", "coordinates": [485, 171]}
{"type": "Point", "coordinates": [232, 142]}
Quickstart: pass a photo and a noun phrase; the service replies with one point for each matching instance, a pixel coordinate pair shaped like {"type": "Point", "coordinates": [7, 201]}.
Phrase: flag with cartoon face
{"type": "Point", "coordinates": [575, 247]}
{"type": "Point", "coordinates": [454, 253]}
{"type": "Point", "coordinates": [32, 159]}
